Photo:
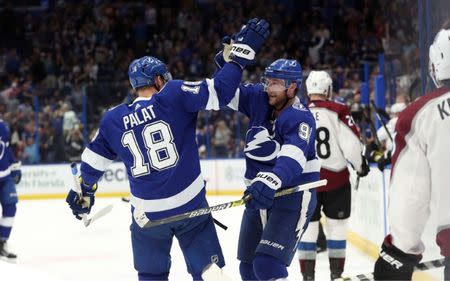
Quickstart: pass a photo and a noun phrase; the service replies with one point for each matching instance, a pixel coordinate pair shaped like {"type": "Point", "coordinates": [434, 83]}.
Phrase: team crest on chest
{"type": "Point", "coordinates": [261, 146]}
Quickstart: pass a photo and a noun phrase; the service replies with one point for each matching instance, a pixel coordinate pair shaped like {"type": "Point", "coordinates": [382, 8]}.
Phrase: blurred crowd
{"type": "Point", "coordinates": [62, 66]}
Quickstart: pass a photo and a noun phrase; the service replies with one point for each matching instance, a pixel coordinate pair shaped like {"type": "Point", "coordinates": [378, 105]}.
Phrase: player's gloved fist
{"type": "Point", "coordinates": [82, 205]}
{"type": "Point", "coordinates": [383, 161]}
{"type": "Point", "coordinates": [79, 205]}
{"type": "Point", "coordinates": [249, 41]}
{"type": "Point", "coordinates": [16, 173]}
{"type": "Point", "coordinates": [262, 191]}
{"type": "Point", "coordinates": [365, 169]}
{"type": "Point", "coordinates": [394, 264]}
{"type": "Point", "coordinates": [224, 55]}
{"type": "Point", "coordinates": [375, 155]}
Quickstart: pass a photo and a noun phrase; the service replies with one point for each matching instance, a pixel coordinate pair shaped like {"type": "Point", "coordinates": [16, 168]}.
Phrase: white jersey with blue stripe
{"type": "Point", "coordinates": [284, 146]}
{"type": "Point", "coordinates": [155, 138]}
{"type": "Point", "coordinates": [6, 156]}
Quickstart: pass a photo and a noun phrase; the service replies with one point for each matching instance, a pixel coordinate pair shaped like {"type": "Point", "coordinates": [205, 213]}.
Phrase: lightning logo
{"type": "Point", "coordinates": [260, 145]}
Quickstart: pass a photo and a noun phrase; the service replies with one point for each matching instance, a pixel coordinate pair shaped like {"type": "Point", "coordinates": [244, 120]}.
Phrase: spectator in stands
{"type": "Point", "coordinates": [31, 152]}
{"type": "Point", "coordinates": [221, 139]}
{"type": "Point", "coordinates": [56, 56]}
{"type": "Point", "coordinates": [74, 144]}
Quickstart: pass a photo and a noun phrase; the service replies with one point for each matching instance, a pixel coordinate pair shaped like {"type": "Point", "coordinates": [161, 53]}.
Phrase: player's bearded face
{"type": "Point", "coordinates": [276, 90]}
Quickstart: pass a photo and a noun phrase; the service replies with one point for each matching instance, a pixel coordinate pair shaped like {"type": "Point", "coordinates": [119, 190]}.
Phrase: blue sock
{"type": "Point", "coordinates": [267, 267]}
{"type": "Point", "coordinates": [246, 270]}
{"type": "Point", "coordinates": [8, 213]}
{"type": "Point", "coordinates": [152, 277]}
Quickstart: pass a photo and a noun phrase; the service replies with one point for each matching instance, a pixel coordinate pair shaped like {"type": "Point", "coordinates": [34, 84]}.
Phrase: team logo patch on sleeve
{"type": "Point", "coordinates": [299, 106]}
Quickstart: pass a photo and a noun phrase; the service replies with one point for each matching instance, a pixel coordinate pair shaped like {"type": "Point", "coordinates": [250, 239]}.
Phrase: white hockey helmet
{"type": "Point", "coordinates": [319, 83]}
{"type": "Point", "coordinates": [439, 64]}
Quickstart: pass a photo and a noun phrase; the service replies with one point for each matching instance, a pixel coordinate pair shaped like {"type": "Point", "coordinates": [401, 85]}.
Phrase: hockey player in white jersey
{"type": "Point", "coordinates": [337, 141]}
{"type": "Point", "coordinates": [420, 174]}
{"type": "Point", "coordinates": [155, 138]}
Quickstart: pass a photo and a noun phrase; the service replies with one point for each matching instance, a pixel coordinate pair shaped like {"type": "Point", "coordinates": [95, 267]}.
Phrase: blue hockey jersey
{"type": "Point", "coordinates": [6, 155]}
{"type": "Point", "coordinates": [155, 138]}
{"type": "Point", "coordinates": [284, 146]}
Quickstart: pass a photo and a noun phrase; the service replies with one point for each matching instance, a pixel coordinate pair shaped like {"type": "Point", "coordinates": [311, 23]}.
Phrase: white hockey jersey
{"type": "Point", "coordinates": [420, 172]}
{"type": "Point", "coordinates": [337, 141]}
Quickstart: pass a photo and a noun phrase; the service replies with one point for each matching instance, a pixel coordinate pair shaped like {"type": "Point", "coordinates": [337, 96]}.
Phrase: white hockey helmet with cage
{"type": "Point", "coordinates": [319, 83]}
{"type": "Point", "coordinates": [439, 64]}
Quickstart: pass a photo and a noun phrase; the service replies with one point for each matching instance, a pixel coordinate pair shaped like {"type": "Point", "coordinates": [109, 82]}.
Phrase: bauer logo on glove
{"type": "Point", "coordinates": [242, 51]}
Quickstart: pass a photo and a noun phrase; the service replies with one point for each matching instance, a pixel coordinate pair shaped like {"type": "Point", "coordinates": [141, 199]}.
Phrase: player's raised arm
{"type": "Point", "coordinates": [216, 92]}
{"type": "Point", "coordinates": [241, 100]}
{"type": "Point", "coordinates": [96, 157]}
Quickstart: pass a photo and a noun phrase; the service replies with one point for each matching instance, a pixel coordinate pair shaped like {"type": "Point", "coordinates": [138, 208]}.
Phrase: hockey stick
{"type": "Point", "coordinates": [143, 221]}
{"type": "Point", "coordinates": [99, 214]}
{"type": "Point", "coordinates": [420, 267]}
{"type": "Point", "coordinates": [105, 210]}
{"type": "Point", "coordinates": [381, 120]}
{"type": "Point", "coordinates": [369, 122]}
{"type": "Point", "coordinates": [364, 142]}
{"type": "Point", "coordinates": [218, 223]}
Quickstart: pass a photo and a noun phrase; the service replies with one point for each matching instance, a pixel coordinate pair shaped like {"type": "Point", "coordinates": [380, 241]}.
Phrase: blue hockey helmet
{"type": "Point", "coordinates": [285, 69]}
{"type": "Point", "coordinates": [143, 71]}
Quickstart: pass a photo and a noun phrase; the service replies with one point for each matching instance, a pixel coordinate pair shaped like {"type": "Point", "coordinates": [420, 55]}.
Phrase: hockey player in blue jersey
{"type": "Point", "coordinates": [155, 138]}
{"type": "Point", "coordinates": [279, 153]}
{"type": "Point", "coordinates": [10, 175]}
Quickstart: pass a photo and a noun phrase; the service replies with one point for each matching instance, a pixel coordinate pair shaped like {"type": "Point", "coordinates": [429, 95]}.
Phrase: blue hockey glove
{"type": "Point", "coordinates": [262, 190]}
{"type": "Point", "coordinates": [16, 173]}
{"type": "Point", "coordinates": [84, 204]}
{"type": "Point", "coordinates": [224, 55]}
{"type": "Point", "coordinates": [249, 41]}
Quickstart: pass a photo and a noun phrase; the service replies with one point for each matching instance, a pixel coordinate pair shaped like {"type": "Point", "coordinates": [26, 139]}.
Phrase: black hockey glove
{"type": "Point", "coordinates": [384, 161]}
{"type": "Point", "coordinates": [365, 169]}
{"type": "Point", "coordinates": [447, 269]}
{"type": "Point", "coordinates": [394, 264]}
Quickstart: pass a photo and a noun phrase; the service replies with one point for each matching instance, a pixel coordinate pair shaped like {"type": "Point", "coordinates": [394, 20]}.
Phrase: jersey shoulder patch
{"type": "Point", "coordinates": [299, 106]}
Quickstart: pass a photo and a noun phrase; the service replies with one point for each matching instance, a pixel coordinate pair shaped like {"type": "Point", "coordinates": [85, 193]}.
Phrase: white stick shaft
{"type": "Point", "coordinates": [74, 169]}
{"type": "Point", "coordinates": [302, 187]}
{"type": "Point", "coordinates": [98, 215]}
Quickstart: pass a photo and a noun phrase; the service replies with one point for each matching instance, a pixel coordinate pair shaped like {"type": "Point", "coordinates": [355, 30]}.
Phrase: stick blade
{"type": "Point", "coordinates": [98, 215]}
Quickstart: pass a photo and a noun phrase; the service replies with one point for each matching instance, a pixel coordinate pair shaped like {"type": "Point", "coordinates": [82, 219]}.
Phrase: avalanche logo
{"type": "Point", "coordinates": [260, 146]}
